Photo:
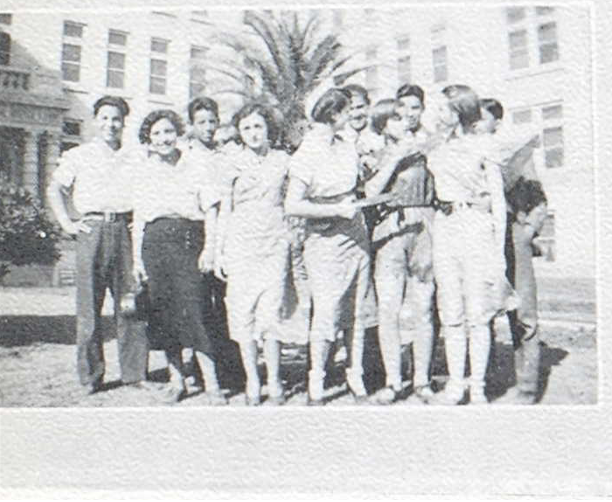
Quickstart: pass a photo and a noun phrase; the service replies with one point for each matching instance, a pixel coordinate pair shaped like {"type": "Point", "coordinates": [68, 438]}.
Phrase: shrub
{"type": "Point", "coordinates": [27, 234]}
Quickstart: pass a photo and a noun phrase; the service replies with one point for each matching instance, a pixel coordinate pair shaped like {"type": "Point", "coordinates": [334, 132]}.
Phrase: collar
{"type": "Point", "coordinates": [171, 159]}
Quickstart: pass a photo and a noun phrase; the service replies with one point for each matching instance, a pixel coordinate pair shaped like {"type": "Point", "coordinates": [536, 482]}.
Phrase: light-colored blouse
{"type": "Point", "coordinates": [185, 190]}
{"type": "Point", "coordinates": [328, 166]}
{"type": "Point", "coordinates": [458, 170]}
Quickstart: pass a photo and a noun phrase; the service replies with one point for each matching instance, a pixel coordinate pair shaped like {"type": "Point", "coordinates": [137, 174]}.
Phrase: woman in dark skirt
{"type": "Point", "coordinates": [173, 201]}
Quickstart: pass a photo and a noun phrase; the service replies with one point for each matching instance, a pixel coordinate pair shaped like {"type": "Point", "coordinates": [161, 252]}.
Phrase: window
{"type": "Point", "coordinates": [115, 72]}
{"type": "Point", "coordinates": [5, 49]}
{"type": "Point", "coordinates": [115, 59]}
{"type": "Point", "coordinates": [337, 19]}
{"type": "Point", "coordinates": [71, 62]}
{"type": "Point", "coordinates": [116, 37]}
{"type": "Point", "coordinates": [532, 36]}
{"type": "Point", "coordinates": [157, 82]}
{"type": "Point", "coordinates": [439, 53]}
{"type": "Point", "coordinates": [372, 71]}
{"type": "Point", "coordinates": [521, 117]}
{"type": "Point", "coordinates": [159, 45]}
{"type": "Point", "coordinates": [552, 135]}
{"type": "Point", "coordinates": [72, 29]}
{"type": "Point", "coordinates": [519, 50]}
{"type": "Point", "coordinates": [197, 72]}
{"type": "Point", "coordinates": [71, 51]}
{"type": "Point", "coordinates": [515, 14]}
{"type": "Point", "coordinates": [71, 128]}
{"type": "Point", "coordinates": [547, 41]}
{"type": "Point", "coordinates": [200, 16]}
{"type": "Point", "coordinates": [545, 242]}
{"type": "Point", "coordinates": [6, 18]}
{"type": "Point", "coordinates": [403, 60]}
{"type": "Point", "coordinates": [544, 10]}
{"type": "Point", "coordinates": [159, 66]}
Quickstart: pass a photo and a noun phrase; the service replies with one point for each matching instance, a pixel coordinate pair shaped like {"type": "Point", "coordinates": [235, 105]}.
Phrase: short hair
{"type": "Point", "coordinates": [265, 111]}
{"type": "Point", "coordinates": [358, 90]}
{"type": "Point", "coordinates": [381, 113]}
{"type": "Point", "coordinates": [464, 101]}
{"type": "Point", "coordinates": [411, 90]}
{"type": "Point", "coordinates": [493, 106]}
{"type": "Point", "coordinates": [144, 134]}
{"type": "Point", "coordinates": [332, 102]}
{"type": "Point", "coordinates": [116, 101]}
{"type": "Point", "coordinates": [202, 103]}
{"type": "Point", "coordinates": [525, 195]}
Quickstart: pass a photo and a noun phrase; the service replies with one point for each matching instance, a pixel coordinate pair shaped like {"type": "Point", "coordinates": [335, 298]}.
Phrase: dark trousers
{"type": "Point", "coordinates": [524, 320]}
{"type": "Point", "coordinates": [104, 260]}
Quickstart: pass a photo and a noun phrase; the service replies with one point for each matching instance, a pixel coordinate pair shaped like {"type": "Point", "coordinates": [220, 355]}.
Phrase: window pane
{"type": "Point", "coordinates": [117, 38]}
{"type": "Point", "coordinates": [518, 39]}
{"type": "Point", "coordinates": [548, 228]}
{"type": "Point", "coordinates": [66, 145]}
{"type": "Point", "coordinates": [195, 89]}
{"type": "Point", "coordinates": [515, 14]}
{"type": "Point", "coordinates": [403, 68]}
{"type": "Point", "coordinates": [519, 60]}
{"type": "Point", "coordinates": [440, 73]}
{"type": "Point", "coordinates": [114, 78]}
{"type": "Point", "coordinates": [521, 117]}
{"type": "Point", "coordinates": [403, 44]}
{"type": "Point", "coordinates": [197, 74]}
{"type": "Point", "coordinates": [158, 67]}
{"type": "Point", "coordinates": [158, 45]}
{"type": "Point", "coordinates": [71, 72]}
{"type": "Point", "coordinates": [116, 60]}
{"type": "Point", "coordinates": [5, 58]}
{"type": "Point", "coordinates": [73, 30]}
{"type": "Point", "coordinates": [437, 35]}
{"type": "Point", "coordinates": [554, 157]}
{"type": "Point", "coordinates": [547, 32]}
{"type": "Point", "coordinates": [198, 52]}
{"type": "Point", "coordinates": [6, 18]}
{"type": "Point", "coordinates": [157, 85]}
{"type": "Point", "coordinates": [70, 128]}
{"type": "Point", "coordinates": [553, 136]}
{"type": "Point", "coordinates": [439, 56]}
{"type": "Point", "coordinates": [552, 112]}
{"type": "Point", "coordinates": [544, 11]}
{"type": "Point", "coordinates": [549, 53]}
{"type": "Point", "coordinates": [71, 53]}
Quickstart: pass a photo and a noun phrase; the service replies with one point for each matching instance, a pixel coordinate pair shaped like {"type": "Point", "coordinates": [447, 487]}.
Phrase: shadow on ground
{"type": "Point", "coordinates": [20, 331]}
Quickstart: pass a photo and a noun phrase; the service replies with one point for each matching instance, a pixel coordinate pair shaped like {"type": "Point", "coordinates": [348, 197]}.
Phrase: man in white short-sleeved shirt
{"type": "Point", "coordinates": [99, 175]}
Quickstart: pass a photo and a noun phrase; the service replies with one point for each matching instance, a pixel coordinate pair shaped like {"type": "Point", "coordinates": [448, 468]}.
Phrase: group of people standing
{"type": "Point", "coordinates": [370, 221]}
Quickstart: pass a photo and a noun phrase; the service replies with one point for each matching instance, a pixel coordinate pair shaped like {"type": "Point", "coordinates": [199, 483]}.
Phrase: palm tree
{"type": "Point", "coordinates": [282, 57]}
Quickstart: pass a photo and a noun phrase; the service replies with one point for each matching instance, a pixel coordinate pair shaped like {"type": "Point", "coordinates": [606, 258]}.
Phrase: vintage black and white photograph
{"type": "Point", "coordinates": [280, 207]}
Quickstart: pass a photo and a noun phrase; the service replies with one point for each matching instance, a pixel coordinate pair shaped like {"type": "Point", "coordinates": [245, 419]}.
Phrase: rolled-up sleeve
{"type": "Point", "coordinates": [67, 169]}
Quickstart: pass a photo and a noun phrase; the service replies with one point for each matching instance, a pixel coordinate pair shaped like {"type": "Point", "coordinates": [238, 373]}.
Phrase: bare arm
{"type": "Point", "coordinates": [297, 204]}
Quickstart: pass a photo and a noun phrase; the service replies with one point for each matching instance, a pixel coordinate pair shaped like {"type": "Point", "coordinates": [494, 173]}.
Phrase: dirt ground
{"type": "Point", "coordinates": [37, 356]}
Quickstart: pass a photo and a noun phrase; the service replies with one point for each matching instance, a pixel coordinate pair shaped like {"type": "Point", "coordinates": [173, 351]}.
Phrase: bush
{"type": "Point", "coordinates": [27, 235]}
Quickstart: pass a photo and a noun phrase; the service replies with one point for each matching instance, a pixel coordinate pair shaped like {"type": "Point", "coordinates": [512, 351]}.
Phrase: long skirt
{"type": "Point", "coordinates": [171, 248]}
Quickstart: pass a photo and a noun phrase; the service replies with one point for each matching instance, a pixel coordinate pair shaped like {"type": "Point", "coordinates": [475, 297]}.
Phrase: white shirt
{"type": "Point", "coordinates": [101, 177]}
{"type": "Point", "coordinates": [161, 189]}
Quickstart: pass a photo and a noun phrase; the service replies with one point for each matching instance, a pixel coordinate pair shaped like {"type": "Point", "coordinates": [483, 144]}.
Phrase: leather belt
{"type": "Point", "coordinates": [108, 216]}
